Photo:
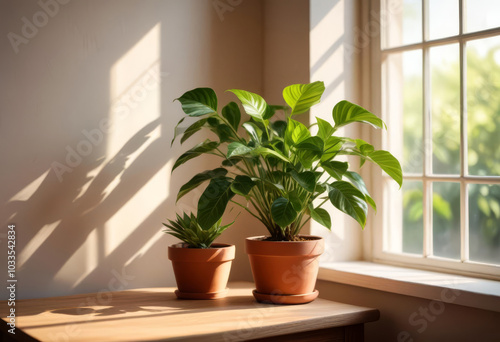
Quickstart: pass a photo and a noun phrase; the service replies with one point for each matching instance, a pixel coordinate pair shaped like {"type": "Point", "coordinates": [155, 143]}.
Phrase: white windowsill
{"type": "Point", "coordinates": [460, 290]}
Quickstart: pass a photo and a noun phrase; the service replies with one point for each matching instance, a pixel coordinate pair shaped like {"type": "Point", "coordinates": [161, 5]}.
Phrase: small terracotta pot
{"type": "Point", "coordinates": [201, 273]}
{"type": "Point", "coordinates": [285, 272]}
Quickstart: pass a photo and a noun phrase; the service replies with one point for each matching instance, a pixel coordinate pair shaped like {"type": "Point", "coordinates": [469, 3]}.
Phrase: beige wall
{"type": "Point", "coordinates": [97, 226]}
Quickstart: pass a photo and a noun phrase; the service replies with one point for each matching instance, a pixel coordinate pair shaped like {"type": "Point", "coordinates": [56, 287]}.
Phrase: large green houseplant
{"type": "Point", "coordinates": [275, 167]}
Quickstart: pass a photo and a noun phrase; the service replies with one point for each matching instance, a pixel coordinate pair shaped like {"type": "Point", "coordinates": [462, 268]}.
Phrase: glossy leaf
{"type": "Point", "coordinates": [310, 150]}
{"type": "Point", "coordinates": [177, 131]}
{"type": "Point", "coordinates": [301, 97]}
{"type": "Point", "coordinates": [296, 199]}
{"type": "Point", "coordinates": [199, 101]}
{"type": "Point", "coordinates": [332, 147]}
{"type": "Point", "coordinates": [282, 212]}
{"type": "Point", "coordinates": [242, 185]}
{"type": "Point", "coordinates": [336, 169]}
{"type": "Point", "coordinates": [359, 183]}
{"type": "Point", "coordinates": [325, 129]}
{"type": "Point", "coordinates": [321, 216]}
{"type": "Point", "coordinates": [194, 152]}
{"type": "Point", "coordinates": [348, 199]}
{"type": "Point", "coordinates": [306, 179]}
{"type": "Point", "coordinates": [254, 131]}
{"type": "Point", "coordinates": [346, 112]}
{"type": "Point", "coordinates": [389, 164]}
{"type": "Point", "coordinates": [254, 104]}
{"type": "Point", "coordinates": [199, 179]}
{"type": "Point", "coordinates": [231, 112]}
{"type": "Point", "coordinates": [213, 202]}
{"type": "Point", "coordinates": [264, 151]}
{"type": "Point", "coordinates": [195, 127]}
{"type": "Point", "coordinates": [237, 149]}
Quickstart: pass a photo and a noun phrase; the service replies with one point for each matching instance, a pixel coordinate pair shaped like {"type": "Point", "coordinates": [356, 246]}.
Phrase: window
{"type": "Point", "coordinates": [438, 69]}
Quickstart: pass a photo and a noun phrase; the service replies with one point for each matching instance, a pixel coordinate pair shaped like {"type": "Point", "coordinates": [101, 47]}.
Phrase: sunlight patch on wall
{"type": "Point", "coordinates": [35, 242]}
{"type": "Point", "coordinates": [135, 92]}
{"type": "Point", "coordinates": [81, 263]}
{"type": "Point", "coordinates": [29, 190]}
{"type": "Point", "coordinates": [148, 198]}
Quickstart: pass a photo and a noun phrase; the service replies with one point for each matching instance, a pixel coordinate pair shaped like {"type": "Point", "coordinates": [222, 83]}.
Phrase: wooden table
{"type": "Point", "coordinates": [156, 315]}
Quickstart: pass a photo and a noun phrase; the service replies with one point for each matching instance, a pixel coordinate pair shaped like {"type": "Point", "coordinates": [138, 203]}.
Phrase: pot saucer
{"type": "Point", "coordinates": [285, 299]}
{"type": "Point", "coordinates": [209, 295]}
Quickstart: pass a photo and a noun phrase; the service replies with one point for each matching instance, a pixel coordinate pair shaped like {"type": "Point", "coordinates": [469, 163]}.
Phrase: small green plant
{"type": "Point", "coordinates": [187, 229]}
{"type": "Point", "coordinates": [281, 170]}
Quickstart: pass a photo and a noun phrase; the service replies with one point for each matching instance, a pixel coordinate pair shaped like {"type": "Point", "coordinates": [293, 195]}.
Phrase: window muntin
{"type": "Point", "coordinates": [441, 99]}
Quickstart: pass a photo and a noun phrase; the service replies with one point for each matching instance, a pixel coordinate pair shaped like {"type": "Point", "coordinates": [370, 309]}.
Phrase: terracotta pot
{"type": "Point", "coordinates": [285, 272]}
{"type": "Point", "coordinates": [201, 273]}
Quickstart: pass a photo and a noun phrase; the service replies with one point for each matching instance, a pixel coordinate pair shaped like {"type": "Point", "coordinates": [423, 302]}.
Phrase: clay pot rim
{"type": "Point", "coordinates": [219, 252]}
{"type": "Point", "coordinates": [311, 238]}
{"type": "Point", "coordinates": [256, 246]}
{"type": "Point", "coordinates": [212, 246]}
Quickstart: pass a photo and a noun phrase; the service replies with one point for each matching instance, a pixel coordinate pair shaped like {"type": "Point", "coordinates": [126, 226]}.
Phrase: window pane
{"type": "Point", "coordinates": [403, 108]}
{"type": "Point", "coordinates": [413, 222]}
{"type": "Point", "coordinates": [483, 106]}
{"type": "Point", "coordinates": [401, 21]}
{"type": "Point", "coordinates": [484, 223]}
{"type": "Point", "coordinates": [482, 14]}
{"type": "Point", "coordinates": [443, 18]}
{"type": "Point", "coordinates": [446, 219]}
{"type": "Point", "coordinates": [445, 109]}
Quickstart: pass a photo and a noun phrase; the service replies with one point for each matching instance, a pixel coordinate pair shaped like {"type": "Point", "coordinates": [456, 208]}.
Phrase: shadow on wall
{"type": "Point", "coordinates": [90, 138]}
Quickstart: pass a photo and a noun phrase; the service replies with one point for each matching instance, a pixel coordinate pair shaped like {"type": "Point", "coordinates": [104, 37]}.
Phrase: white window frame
{"type": "Point", "coordinates": [374, 64]}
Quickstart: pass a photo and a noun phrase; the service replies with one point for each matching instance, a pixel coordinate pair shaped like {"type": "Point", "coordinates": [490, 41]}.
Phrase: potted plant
{"type": "Point", "coordinates": [201, 267]}
{"type": "Point", "coordinates": [283, 173]}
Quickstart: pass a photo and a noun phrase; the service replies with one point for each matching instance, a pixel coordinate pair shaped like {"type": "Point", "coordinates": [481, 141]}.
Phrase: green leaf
{"type": "Point", "coordinates": [199, 101]}
{"type": "Point", "coordinates": [306, 179]}
{"type": "Point", "coordinates": [264, 151]}
{"type": "Point", "coordinates": [194, 152]}
{"type": "Point", "coordinates": [237, 149]}
{"type": "Point", "coordinates": [177, 131]}
{"type": "Point", "coordinates": [389, 164]}
{"type": "Point", "coordinates": [364, 147]}
{"type": "Point", "coordinates": [335, 169]}
{"type": "Point", "coordinates": [279, 127]}
{"type": "Point", "coordinates": [231, 112]}
{"type": "Point", "coordinates": [332, 147]}
{"type": "Point", "coordinates": [242, 185]}
{"type": "Point", "coordinates": [345, 197]}
{"type": "Point", "coordinates": [213, 202]}
{"type": "Point", "coordinates": [195, 127]}
{"type": "Point", "coordinates": [200, 178]}
{"type": "Point", "coordinates": [301, 97]}
{"type": "Point", "coordinates": [254, 104]}
{"type": "Point", "coordinates": [282, 212]}
{"type": "Point", "coordinates": [254, 131]}
{"type": "Point", "coordinates": [325, 130]}
{"type": "Point", "coordinates": [321, 216]}
{"type": "Point", "coordinates": [310, 150]}
{"type": "Point", "coordinates": [346, 112]}
{"type": "Point", "coordinates": [296, 200]}
{"type": "Point", "coordinates": [358, 182]}
{"type": "Point", "coordinates": [299, 133]}
{"type": "Point", "coordinates": [224, 132]}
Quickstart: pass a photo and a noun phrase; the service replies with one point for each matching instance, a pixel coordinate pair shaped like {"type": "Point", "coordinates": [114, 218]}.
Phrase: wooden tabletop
{"type": "Point", "coordinates": [155, 314]}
